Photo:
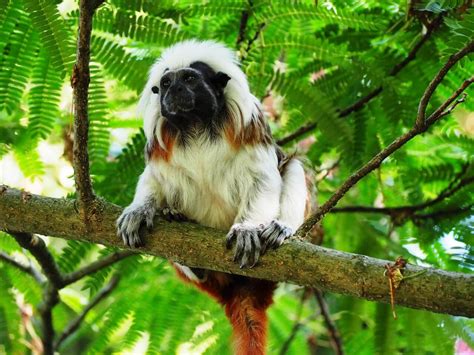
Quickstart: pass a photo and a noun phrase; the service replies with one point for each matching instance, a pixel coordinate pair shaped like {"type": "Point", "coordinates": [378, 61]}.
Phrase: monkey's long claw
{"type": "Point", "coordinates": [247, 249]}
{"type": "Point", "coordinates": [131, 222]}
{"type": "Point", "coordinates": [274, 234]}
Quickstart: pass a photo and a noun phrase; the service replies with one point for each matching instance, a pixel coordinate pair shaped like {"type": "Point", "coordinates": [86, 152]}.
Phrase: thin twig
{"type": "Point", "coordinates": [408, 209]}
{"type": "Point", "coordinates": [45, 309]}
{"type": "Point", "coordinates": [96, 266]}
{"type": "Point", "coordinates": [425, 99]}
{"type": "Point", "coordinates": [375, 162]}
{"type": "Point", "coordinates": [443, 110]}
{"type": "Point", "coordinates": [296, 325]}
{"type": "Point", "coordinates": [443, 213]}
{"type": "Point", "coordinates": [333, 333]}
{"type": "Point", "coordinates": [243, 26]}
{"type": "Point", "coordinates": [356, 106]}
{"type": "Point", "coordinates": [25, 268]}
{"type": "Point", "coordinates": [255, 36]}
{"type": "Point", "coordinates": [75, 323]}
{"type": "Point", "coordinates": [37, 247]}
{"type": "Point", "coordinates": [80, 83]}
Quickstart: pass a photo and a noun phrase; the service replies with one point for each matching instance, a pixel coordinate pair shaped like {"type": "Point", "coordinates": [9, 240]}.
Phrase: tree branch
{"type": "Point", "coordinates": [356, 106]}
{"type": "Point", "coordinates": [37, 247]}
{"type": "Point", "coordinates": [25, 268]}
{"type": "Point", "coordinates": [333, 333]}
{"type": "Point", "coordinates": [243, 26]}
{"type": "Point", "coordinates": [296, 325]}
{"type": "Point", "coordinates": [297, 261]}
{"type": "Point", "coordinates": [375, 162]}
{"type": "Point", "coordinates": [425, 99]}
{"type": "Point", "coordinates": [409, 210]}
{"type": "Point", "coordinates": [96, 266]}
{"type": "Point", "coordinates": [50, 299]}
{"type": "Point", "coordinates": [443, 213]}
{"type": "Point", "coordinates": [75, 323]}
{"type": "Point", "coordinates": [80, 83]}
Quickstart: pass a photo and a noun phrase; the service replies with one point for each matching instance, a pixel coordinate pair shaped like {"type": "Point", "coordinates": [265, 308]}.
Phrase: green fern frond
{"type": "Point", "coordinates": [128, 68]}
{"type": "Point", "coordinates": [44, 97]}
{"type": "Point", "coordinates": [314, 48]}
{"type": "Point", "coordinates": [28, 158]}
{"type": "Point", "coordinates": [73, 254]}
{"type": "Point", "coordinates": [99, 132]}
{"type": "Point", "coordinates": [18, 47]}
{"type": "Point", "coordinates": [121, 175]}
{"type": "Point", "coordinates": [462, 32]}
{"type": "Point", "coordinates": [53, 32]}
{"type": "Point", "coordinates": [164, 8]}
{"type": "Point", "coordinates": [214, 8]}
{"type": "Point", "coordinates": [289, 10]}
{"type": "Point", "coordinates": [438, 6]}
{"type": "Point", "coordinates": [144, 28]}
{"type": "Point", "coordinates": [4, 149]}
{"type": "Point", "coordinates": [317, 108]}
{"type": "Point", "coordinates": [10, 319]}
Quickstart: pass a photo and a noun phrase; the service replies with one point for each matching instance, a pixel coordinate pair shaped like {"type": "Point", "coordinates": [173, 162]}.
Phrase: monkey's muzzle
{"type": "Point", "coordinates": [178, 101]}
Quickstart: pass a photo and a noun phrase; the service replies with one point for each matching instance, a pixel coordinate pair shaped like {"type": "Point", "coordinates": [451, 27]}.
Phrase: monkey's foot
{"type": "Point", "coordinates": [274, 234]}
{"type": "Point", "coordinates": [172, 215]}
{"type": "Point", "coordinates": [131, 220]}
{"type": "Point", "coordinates": [247, 248]}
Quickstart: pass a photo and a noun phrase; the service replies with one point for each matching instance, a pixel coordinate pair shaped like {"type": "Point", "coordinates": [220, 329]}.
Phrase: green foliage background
{"type": "Point", "coordinates": [357, 43]}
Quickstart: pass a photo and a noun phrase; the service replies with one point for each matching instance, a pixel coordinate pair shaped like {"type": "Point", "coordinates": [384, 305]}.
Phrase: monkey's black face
{"type": "Point", "coordinates": [193, 96]}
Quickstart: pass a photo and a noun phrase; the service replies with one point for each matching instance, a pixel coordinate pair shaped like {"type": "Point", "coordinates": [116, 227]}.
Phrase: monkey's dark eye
{"type": "Point", "coordinates": [166, 83]}
{"type": "Point", "coordinates": [189, 78]}
{"type": "Point", "coordinates": [155, 89]}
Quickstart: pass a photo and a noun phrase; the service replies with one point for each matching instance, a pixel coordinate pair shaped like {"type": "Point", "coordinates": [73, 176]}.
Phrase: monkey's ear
{"type": "Point", "coordinates": [220, 79]}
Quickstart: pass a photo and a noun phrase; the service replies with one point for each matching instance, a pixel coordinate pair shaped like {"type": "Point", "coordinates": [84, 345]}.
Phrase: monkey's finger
{"type": "Point", "coordinates": [135, 240]}
{"type": "Point", "coordinates": [247, 249]}
{"type": "Point", "coordinates": [167, 215]}
{"type": "Point", "coordinates": [239, 245]}
{"type": "Point", "coordinates": [256, 249]}
{"type": "Point", "coordinates": [265, 235]}
{"type": "Point", "coordinates": [284, 235]}
{"type": "Point", "coordinates": [149, 219]}
{"type": "Point", "coordinates": [272, 237]}
{"type": "Point", "coordinates": [124, 238]}
{"type": "Point", "coordinates": [229, 238]}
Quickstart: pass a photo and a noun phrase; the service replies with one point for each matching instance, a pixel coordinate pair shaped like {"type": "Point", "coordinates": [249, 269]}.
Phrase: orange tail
{"type": "Point", "coordinates": [246, 309]}
{"type": "Point", "coordinates": [246, 301]}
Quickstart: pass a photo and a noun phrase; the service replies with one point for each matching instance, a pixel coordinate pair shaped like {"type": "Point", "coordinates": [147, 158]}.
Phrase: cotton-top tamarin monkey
{"type": "Point", "coordinates": [211, 159]}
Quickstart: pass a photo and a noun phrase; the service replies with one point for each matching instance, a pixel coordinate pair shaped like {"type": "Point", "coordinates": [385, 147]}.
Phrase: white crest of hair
{"type": "Point", "coordinates": [221, 59]}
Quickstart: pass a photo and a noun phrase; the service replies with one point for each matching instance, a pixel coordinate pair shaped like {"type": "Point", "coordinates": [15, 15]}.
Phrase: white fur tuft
{"type": "Point", "coordinates": [219, 58]}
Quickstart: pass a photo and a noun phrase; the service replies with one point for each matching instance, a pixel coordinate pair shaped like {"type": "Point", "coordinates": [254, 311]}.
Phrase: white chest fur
{"type": "Point", "coordinates": [212, 183]}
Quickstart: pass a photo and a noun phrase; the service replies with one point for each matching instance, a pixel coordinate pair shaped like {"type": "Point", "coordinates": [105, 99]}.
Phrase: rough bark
{"type": "Point", "coordinates": [80, 83]}
{"type": "Point", "coordinates": [296, 262]}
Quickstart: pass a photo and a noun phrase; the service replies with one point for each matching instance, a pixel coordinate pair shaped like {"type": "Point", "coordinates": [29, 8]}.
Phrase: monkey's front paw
{"type": "Point", "coordinates": [130, 221]}
{"type": "Point", "coordinates": [274, 234]}
{"type": "Point", "coordinates": [171, 215]}
{"type": "Point", "coordinates": [247, 249]}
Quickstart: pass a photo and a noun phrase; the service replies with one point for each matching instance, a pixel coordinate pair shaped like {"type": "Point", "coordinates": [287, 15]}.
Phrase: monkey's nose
{"type": "Point", "coordinates": [178, 88]}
